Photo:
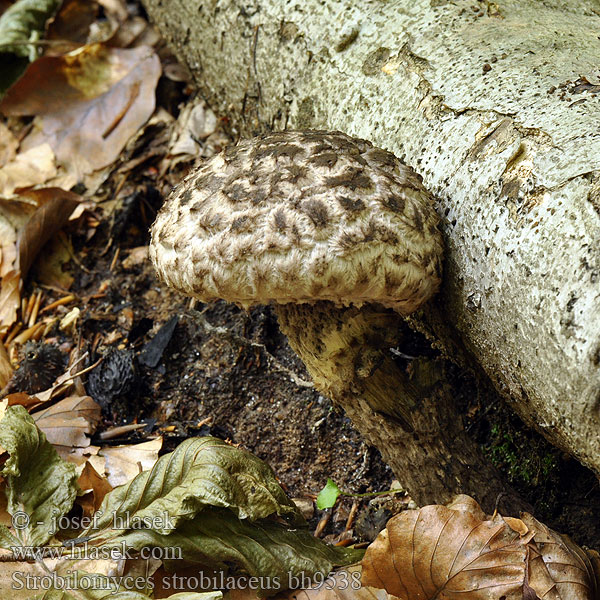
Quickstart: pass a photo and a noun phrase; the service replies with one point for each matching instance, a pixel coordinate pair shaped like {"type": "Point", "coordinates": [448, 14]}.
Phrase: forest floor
{"type": "Point", "coordinates": [181, 369]}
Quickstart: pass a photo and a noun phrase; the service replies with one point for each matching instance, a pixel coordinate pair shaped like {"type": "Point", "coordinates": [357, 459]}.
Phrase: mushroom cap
{"type": "Point", "coordinates": [301, 216]}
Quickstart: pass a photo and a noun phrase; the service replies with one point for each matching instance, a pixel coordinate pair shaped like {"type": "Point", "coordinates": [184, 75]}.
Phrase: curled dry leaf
{"type": "Point", "coordinates": [8, 145]}
{"type": "Point", "coordinates": [69, 422]}
{"type": "Point", "coordinates": [123, 463]}
{"type": "Point", "coordinates": [6, 369]}
{"type": "Point", "coordinates": [89, 103]}
{"type": "Point", "coordinates": [10, 298]}
{"type": "Point", "coordinates": [54, 209]}
{"type": "Point", "coordinates": [558, 568]}
{"type": "Point", "coordinates": [94, 487]}
{"type": "Point", "coordinates": [31, 167]}
{"type": "Point", "coordinates": [456, 552]}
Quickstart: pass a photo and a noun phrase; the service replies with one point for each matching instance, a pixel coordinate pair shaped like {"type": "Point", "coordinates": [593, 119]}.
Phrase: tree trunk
{"type": "Point", "coordinates": [496, 105]}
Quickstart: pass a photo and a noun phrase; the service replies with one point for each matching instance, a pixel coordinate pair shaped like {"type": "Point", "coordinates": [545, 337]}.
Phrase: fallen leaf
{"type": "Point", "coordinates": [195, 122]}
{"type": "Point", "coordinates": [8, 145]}
{"type": "Point", "coordinates": [72, 21]}
{"type": "Point", "coordinates": [14, 214]}
{"type": "Point", "coordinates": [123, 463]}
{"type": "Point", "coordinates": [31, 167]}
{"type": "Point", "coordinates": [54, 209]}
{"type": "Point", "coordinates": [22, 399]}
{"type": "Point", "coordinates": [557, 566]}
{"type": "Point", "coordinates": [94, 488]}
{"type": "Point", "coordinates": [69, 422]}
{"type": "Point", "coordinates": [88, 103]}
{"type": "Point", "coordinates": [10, 298]}
{"type": "Point", "coordinates": [20, 23]}
{"type": "Point", "coordinates": [457, 552]}
{"type": "Point", "coordinates": [6, 369]}
{"type": "Point", "coordinates": [50, 268]}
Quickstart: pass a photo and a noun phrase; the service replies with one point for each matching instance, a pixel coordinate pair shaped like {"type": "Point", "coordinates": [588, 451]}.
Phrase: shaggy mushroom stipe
{"type": "Point", "coordinates": [301, 217]}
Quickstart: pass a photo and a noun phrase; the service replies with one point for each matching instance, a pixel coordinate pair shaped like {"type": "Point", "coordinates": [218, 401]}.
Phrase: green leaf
{"type": "Point", "coordinates": [24, 21]}
{"type": "Point", "coordinates": [328, 495]}
{"type": "Point", "coordinates": [7, 539]}
{"type": "Point", "coordinates": [200, 472]}
{"type": "Point", "coordinates": [41, 487]}
{"type": "Point", "coordinates": [217, 540]}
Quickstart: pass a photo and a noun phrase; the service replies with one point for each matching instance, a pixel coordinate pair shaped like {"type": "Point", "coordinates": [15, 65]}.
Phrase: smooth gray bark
{"type": "Point", "coordinates": [497, 106]}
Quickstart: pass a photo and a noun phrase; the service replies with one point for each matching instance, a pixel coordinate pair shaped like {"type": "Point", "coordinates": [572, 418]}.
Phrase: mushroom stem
{"type": "Point", "coordinates": [412, 421]}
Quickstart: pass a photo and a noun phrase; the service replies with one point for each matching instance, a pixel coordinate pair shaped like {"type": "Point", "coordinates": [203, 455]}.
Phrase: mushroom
{"type": "Point", "coordinates": [333, 232]}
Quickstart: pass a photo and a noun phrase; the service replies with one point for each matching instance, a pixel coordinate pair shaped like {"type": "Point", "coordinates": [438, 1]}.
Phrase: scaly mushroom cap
{"type": "Point", "coordinates": [301, 216]}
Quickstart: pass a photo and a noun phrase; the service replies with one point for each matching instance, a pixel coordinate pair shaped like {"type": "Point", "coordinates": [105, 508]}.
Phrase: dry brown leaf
{"type": "Point", "coordinates": [558, 568]}
{"type": "Point", "coordinates": [94, 489]}
{"type": "Point", "coordinates": [456, 552]}
{"type": "Point", "coordinates": [439, 552]}
{"type": "Point", "coordinates": [54, 209]}
{"type": "Point", "coordinates": [195, 122]}
{"type": "Point", "coordinates": [10, 298]}
{"type": "Point", "coordinates": [32, 166]}
{"type": "Point", "coordinates": [88, 103]}
{"type": "Point", "coordinates": [123, 463]}
{"type": "Point", "coordinates": [51, 265]}
{"type": "Point", "coordinates": [14, 214]}
{"type": "Point", "coordinates": [8, 145]}
{"type": "Point", "coordinates": [22, 399]}
{"type": "Point", "coordinates": [72, 21]}
{"type": "Point", "coordinates": [69, 422]}
{"type": "Point", "coordinates": [6, 369]}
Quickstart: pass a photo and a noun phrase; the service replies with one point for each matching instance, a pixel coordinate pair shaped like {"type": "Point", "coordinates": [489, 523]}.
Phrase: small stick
{"type": "Point", "coordinates": [11, 336]}
{"type": "Point", "coordinates": [60, 302]}
{"type": "Point", "coordinates": [322, 523]}
{"type": "Point", "coordinates": [36, 308]}
{"type": "Point", "coordinates": [113, 262]}
{"type": "Point", "coordinates": [352, 515]}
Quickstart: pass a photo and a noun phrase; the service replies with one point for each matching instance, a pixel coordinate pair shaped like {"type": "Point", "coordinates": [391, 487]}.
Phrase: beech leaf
{"type": "Point", "coordinates": [200, 472]}
{"type": "Point", "coordinates": [41, 487]}
{"type": "Point", "coordinates": [273, 552]}
{"type": "Point", "coordinates": [457, 552]}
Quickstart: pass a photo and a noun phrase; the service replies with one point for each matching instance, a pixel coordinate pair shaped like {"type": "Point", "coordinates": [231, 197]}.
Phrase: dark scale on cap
{"type": "Point", "coordinates": [320, 148]}
{"type": "Point", "coordinates": [280, 221]}
{"type": "Point", "coordinates": [417, 220]}
{"type": "Point", "coordinates": [351, 204]}
{"type": "Point", "coordinates": [186, 196]}
{"type": "Point", "coordinates": [296, 172]}
{"type": "Point", "coordinates": [326, 159]}
{"type": "Point", "coordinates": [317, 211]}
{"type": "Point", "coordinates": [395, 203]}
{"type": "Point", "coordinates": [276, 150]}
{"type": "Point", "coordinates": [208, 181]}
{"type": "Point", "coordinates": [351, 179]}
{"type": "Point", "coordinates": [259, 194]}
{"type": "Point", "coordinates": [239, 223]}
{"type": "Point", "coordinates": [235, 192]}
{"type": "Point", "coordinates": [382, 157]}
